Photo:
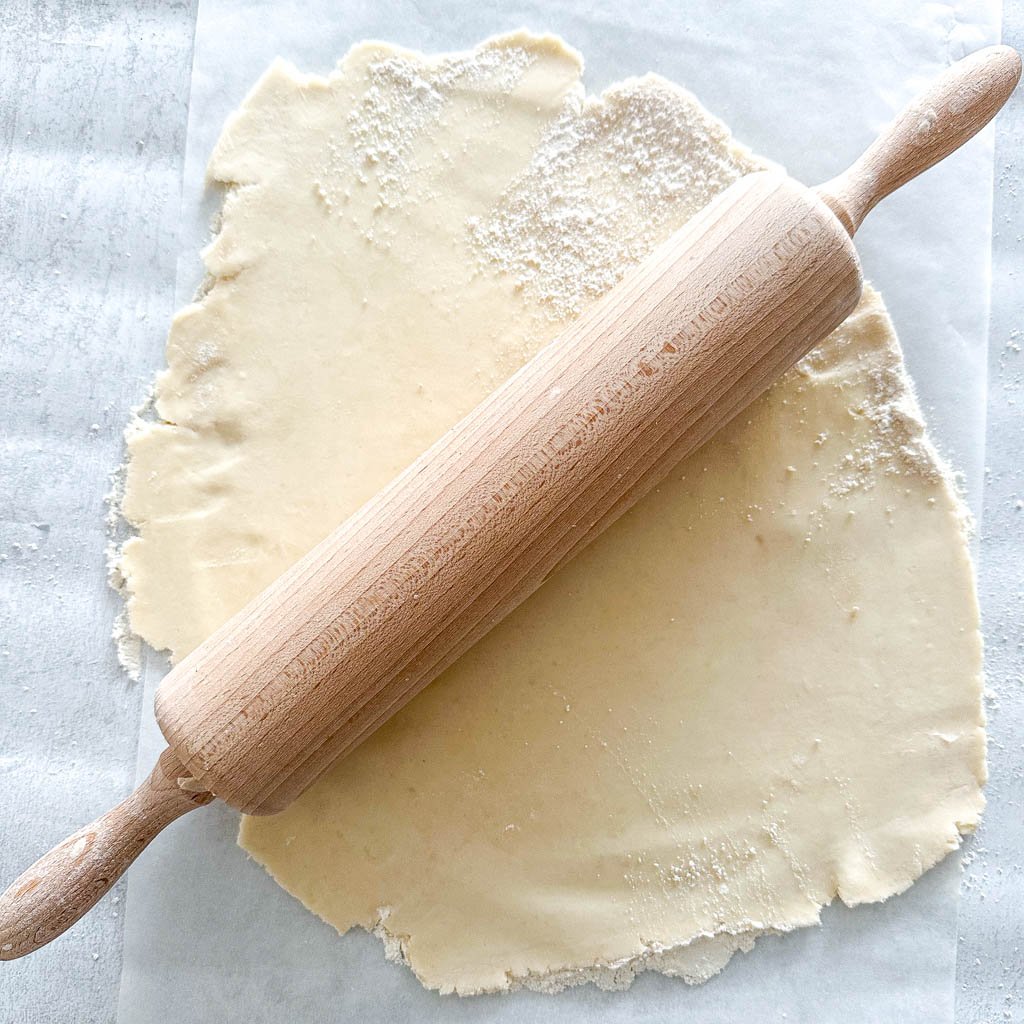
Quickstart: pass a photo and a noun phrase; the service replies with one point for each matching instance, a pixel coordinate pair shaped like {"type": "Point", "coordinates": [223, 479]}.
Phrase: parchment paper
{"type": "Point", "coordinates": [208, 936]}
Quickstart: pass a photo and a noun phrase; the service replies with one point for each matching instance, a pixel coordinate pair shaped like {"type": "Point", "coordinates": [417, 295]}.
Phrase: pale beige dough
{"type": "Point", "coordinates": [759, 690]}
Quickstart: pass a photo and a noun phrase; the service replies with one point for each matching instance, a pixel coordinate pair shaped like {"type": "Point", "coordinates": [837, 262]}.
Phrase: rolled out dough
{"type": "Point", "coordinates": [759, 690]}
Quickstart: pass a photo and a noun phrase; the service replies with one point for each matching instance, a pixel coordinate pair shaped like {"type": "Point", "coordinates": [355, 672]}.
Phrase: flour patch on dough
{"type": "Point", "coordinates": [573, 222]}
{"type": "Point", "coordinates": [402, 100]}
{"type": "Point", "coordinates": [899, 443]}
{"type": "Point", "coordinates": [759, 690]}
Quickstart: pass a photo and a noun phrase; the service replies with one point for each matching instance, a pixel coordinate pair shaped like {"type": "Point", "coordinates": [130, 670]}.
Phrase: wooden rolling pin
{"type": "Point", "coordinates": [364, 621]}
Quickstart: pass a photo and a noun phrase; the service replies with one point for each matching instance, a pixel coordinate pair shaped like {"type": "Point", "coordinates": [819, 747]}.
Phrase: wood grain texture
{"type": "Point", "coordinates": [66, 882]}
{"type": "Point", "coordinates": [953, 109]}
{"type": "Point", "coordinates": [535, 472]}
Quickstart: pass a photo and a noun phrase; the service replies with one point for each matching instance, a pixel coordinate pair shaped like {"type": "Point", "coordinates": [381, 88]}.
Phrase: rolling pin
{"type": "Point", "coordinates": [534, 473]}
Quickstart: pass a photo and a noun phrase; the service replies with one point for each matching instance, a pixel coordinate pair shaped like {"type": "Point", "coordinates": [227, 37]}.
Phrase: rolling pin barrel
{"type": "Point", "coordinates": [537, 470]}
{"type": "Point", "coordinates": [392, 597]}
{"type": "Point", "coordinates": [471, 529]}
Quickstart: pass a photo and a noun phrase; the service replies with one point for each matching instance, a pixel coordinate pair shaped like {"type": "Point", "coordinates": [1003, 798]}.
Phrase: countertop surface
{"type": "Point", "coordinates": [87, 275]}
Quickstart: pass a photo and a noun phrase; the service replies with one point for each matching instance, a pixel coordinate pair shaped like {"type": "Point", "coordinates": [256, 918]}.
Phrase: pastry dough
{"type": "Point", "coordinates": [760, 689]}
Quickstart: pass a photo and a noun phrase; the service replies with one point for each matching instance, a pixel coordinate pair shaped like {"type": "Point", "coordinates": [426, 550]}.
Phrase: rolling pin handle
{"type": "Point", "coordinates": [66, 882]}
{"type": "Point", "coordinates": [954, 108]}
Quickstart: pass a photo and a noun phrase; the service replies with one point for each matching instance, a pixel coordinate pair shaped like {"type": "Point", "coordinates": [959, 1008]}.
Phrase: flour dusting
{"type": "Point", "coordinates": [609, 179]}
{"type": "Point", "coordinates": [404, 97]}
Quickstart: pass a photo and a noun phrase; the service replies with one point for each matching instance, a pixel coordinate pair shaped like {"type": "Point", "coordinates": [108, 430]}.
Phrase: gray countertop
{"type": "Point", "coordinates": [87, 281]}
{"type": "Point", "coordinates": [990, 961]}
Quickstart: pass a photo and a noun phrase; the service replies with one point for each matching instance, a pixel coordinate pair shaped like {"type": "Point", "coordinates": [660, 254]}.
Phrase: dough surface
{"type": "Point", "coordinates": [757, 691]}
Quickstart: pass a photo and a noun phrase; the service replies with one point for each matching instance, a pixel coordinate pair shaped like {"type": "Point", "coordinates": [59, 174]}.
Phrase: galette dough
{"type": "Point", "coordinates": [757, 691]}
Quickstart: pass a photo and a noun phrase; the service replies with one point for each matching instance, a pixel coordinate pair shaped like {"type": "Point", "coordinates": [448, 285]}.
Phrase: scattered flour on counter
{"type": "Point", "coordinates": [129, 646]}
{"type": "Point", "coordinates": [127, 643]}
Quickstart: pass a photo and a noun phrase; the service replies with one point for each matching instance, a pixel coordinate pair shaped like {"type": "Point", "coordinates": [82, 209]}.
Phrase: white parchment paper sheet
{"type": "Point", "coordinates": [208, 935]}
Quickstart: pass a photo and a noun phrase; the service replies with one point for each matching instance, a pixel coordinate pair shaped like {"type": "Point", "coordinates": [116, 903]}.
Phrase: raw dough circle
{"type": "Point", "coordinates": [759, 690]}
